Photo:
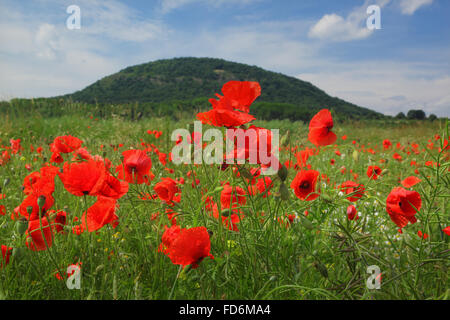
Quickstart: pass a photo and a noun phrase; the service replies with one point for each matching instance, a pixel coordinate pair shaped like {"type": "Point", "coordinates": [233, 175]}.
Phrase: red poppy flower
{"type": "Point", "coordinates": [253, 144]}
{"type": "Point", "coordinates": [6, 254]}
{"type": "Point", "coordinates": [304, 185]}
{"type": "Point", "coordinates": [41, 234]}
{"type": "Point", "coordinates": [230, 221]}
{"type": "Point", "coordinates": [112, 187]}
{"type": "Point", "coordinates": [320, 127]}
{"type": "Point", "coordinates": [74, 266]}
{"type": "Point", "coordinates": [351, 213]}
{"type": "Point", "coordinates": [42, 181]}
{"type": "Point", "coordinates": [56, 158]}
{"type": "Point", "coordinates": [264, 185]}
{"type": "Point", "coordinates": [447, 230]}
{"type": "Point", "coordinates": [4, 158]}
{"type": "Point", "coordinates": [302, 157]}
{"type": "Point", "coordinates": [387, 144]}
{"type": "Point", "coordinates": [65, 144]}
{"type": "Point", "coordinates": [397, 157]}
{"type": "Point", "coordinates": [166, 189]}
{"type": "Point", "coordinates": [424, 236]}
{"type": "Point", "coordinates": [60, 220]}
{"type": "Point", "coordinates": [410, 181]}
{"type": "Point", "coordinates": [135, 167]}
{"type": "Point", "coordinates": [188, 246]}
{"type": "Point", "coordinates": [373, 172]}
{"type": "Point", "coordinates": [402, 205]}
{"type": "Point", "coordinates": [15, 146]}
{"type": "Point", "coordinates": [99, 214]}
{"type": "Point", "coordinates": [169, 235]}
{"type": "Point", "coordinates": [238, 95]}
{"type": "Point", "coordinates": [232, 197]}
{"type": "Point", "coordinates": [241, 93]}
{"type": "Point", "coordinates": [355, 189]}
{"type": "Point", "coordinates": [223, 115]}
{"type": "Point", "coordinates": [83, 178]}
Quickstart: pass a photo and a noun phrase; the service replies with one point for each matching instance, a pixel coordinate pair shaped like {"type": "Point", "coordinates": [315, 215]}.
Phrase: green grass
{"type": "Point", "coordinates": [321, 256]}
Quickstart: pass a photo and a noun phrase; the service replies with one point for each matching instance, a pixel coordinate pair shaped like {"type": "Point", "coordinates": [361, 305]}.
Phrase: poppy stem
{"type": "Point", "coordinates": [175, 283]}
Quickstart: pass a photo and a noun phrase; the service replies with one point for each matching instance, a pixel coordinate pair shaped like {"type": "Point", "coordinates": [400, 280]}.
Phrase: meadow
{"type": "Point", "coordinates": [263, 240]}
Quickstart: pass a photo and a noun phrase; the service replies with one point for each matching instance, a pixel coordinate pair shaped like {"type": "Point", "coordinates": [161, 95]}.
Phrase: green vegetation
{"type": "Point", "coordinates": [321, 256]}
{"type": "Point", "coordinates": [177, 85]}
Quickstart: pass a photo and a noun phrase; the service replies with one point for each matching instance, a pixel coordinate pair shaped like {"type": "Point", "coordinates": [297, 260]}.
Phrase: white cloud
{"type": "Point", "coordinates": [408, 7]}
{"type": "Point", "coordinates": [117, 21]}
{"type": "Point", "coordinates": [386, 86]}
{"type": "Point", "coordinates": [334, 27]}
{"type": "Point", "coordinates": [168, 5]}
{"type": "Point", "coordinates": [39, 58]}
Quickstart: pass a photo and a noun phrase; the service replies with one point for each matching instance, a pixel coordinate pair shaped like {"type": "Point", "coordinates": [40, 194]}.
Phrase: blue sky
{"type": "Point", "coordinates": [404, 65]}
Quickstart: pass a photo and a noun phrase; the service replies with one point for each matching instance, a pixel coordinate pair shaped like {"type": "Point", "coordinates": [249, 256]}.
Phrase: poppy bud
{"type": "Point", "coordinates": [218, 189]}
{"type": "Point", "coordinates": [22, 225]}
{"type": "Point", "coordinates": [326, 198]}
{"type": "Point", "coordinates": [52, 216]}
{"type": "Point", "coordinates": [225, 213]}
{"type": "Point", "coordinates": [17, 253]}
{"type": "Point", "coordinates": [322, 269]}
{"type": "Point", "coordinates": [5, 182]}
{"type": "Point", "coordinates": [285, 139]}
{"type": "Point", "coordinates": [307, 224]}
{"type": "Point", "coordinates": [284, 192]}
{"type": "Point", "coordinates": [385, 171]}
{"type": "Point", "coordinates": [283, 173]}
{"type": "Point", "coordinates": [41, 201]}
{"type": "Point", "coordinates": [99, 268]}
{"type": "Point", "coordinates": [246, 174]}
{"type": "Point", "coordinates": [355, 155]}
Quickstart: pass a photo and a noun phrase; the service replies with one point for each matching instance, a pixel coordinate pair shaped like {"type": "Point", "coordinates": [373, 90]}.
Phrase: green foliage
{"type": "Point", "coordinates": [186, 84]}
{"type": "Point", "coordinates": [319, 256]}
{"type": "Point", "coordinates": [400, 115]}
{"type": "Point", "coordinates": [416, 114]}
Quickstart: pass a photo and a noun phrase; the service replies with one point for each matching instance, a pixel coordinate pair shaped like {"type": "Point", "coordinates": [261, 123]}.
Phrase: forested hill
{"type": "Point", "coordinates": [191, 79]}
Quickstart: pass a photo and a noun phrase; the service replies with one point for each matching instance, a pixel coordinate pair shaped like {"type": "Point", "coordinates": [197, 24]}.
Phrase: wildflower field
{"type": "Point", "coordinates": [103, 198]}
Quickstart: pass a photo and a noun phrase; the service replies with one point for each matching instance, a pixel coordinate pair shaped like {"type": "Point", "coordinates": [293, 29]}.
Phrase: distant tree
{"type": "Point", "coordinates": [432, 117]}
{"type": "Point", "coordinates": [416, 114]}
{"type": "Point", "coordinates": [400, 115]}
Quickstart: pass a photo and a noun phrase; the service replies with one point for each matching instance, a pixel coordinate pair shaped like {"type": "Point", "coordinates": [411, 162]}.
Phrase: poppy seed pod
{"type": "Point", "coordinates": [22, 226]}
{"type": "Point", "coordinates": [41, 201]}
{"type": "Point", "coordinates": [284, 192]}
{"type": "Point", "coordinates": [283, 173]}
{"type": "Point", "coordinates": [306, 223]}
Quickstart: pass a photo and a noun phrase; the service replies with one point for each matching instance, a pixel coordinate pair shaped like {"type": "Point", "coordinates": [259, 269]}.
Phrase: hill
{"type": "Point", "coordinates": [194, 80]}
